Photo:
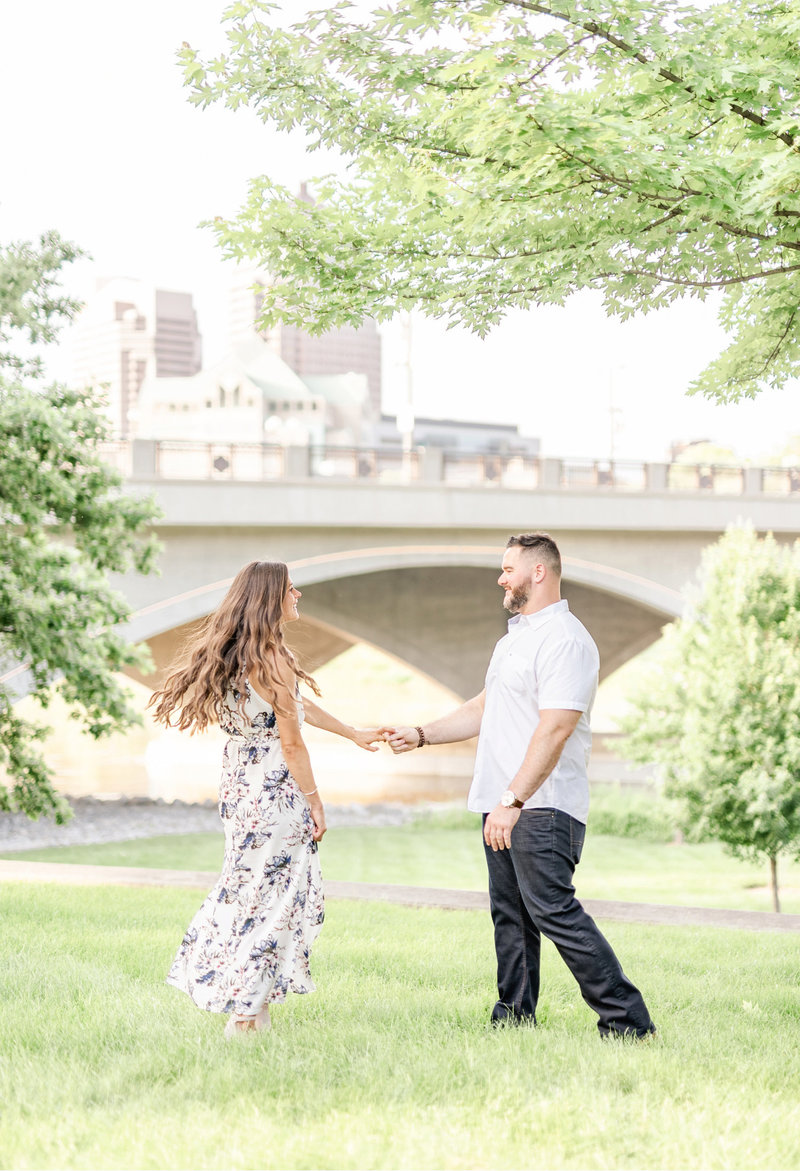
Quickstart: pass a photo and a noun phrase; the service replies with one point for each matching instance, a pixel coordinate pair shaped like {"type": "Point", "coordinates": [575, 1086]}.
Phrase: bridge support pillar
{"type": "Point", "coordinates": [297, 465]}
{"type": "Point", "coordinates": [143, 459]}
{"type": "Point", "coordinates": [432, 464]}
{"type": "Point", "coordinates": [656, 477]}
{"type": "Point", "coordinates": [550, 473]}
{"type": "Point", "coordinates": [753, 481]}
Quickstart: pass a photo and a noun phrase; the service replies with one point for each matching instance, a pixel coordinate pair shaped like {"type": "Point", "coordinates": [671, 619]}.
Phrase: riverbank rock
{"type": "Point", "coordinates": [124, 818]}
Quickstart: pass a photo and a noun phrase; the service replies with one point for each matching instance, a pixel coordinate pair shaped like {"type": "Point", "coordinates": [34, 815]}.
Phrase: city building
{"type": "Point", "coordinates": [459, 435]}
{"type": "Point", "coordinates": [347, 408]}
{"type": "Point", "coordinates": [250, 396]}
{"type": "Point", "coordinates": [284, 387]}
{"type": "Point", "coordinates": [346, 350]}
{"type": "Point", "coordinates": [127, 332]}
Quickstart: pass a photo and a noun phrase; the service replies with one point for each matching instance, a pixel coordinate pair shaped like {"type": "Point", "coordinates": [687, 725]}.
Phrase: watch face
{"type": "Point", "coordinates": [507, 799]}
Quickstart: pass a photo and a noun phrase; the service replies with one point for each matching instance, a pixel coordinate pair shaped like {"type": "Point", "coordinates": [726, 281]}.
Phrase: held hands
{"type": "Point", "coordinates": [367, 737]}
{"type": "Point", "coordinates": [401, 739]}
{"type": "Point", "coordinates": [398, 739]}
{"type": "Point", "coordinates": [498, 826]}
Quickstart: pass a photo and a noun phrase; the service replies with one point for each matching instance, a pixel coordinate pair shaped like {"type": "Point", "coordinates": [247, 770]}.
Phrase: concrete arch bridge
{"type": "Point", "coordinates": [412, 568]}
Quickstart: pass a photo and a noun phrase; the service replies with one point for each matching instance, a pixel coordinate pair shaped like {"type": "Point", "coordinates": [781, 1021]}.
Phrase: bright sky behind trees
{"type": "Point", "coordinates": [102, 144]}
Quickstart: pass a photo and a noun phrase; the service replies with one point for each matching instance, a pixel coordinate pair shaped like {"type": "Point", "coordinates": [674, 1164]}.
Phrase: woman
{"type": "Point", "coordinates": [250, 942]}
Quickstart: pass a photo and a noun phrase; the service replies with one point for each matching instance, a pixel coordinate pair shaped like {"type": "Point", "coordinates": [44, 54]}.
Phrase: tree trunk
{"type": "Point", "coordinates": [773, 881]}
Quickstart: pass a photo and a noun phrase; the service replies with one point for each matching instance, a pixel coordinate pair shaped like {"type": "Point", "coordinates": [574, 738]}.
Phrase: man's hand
{"type": "Point", "coordinates": [402, 739]}
{"type": "Point", "coordinates": [498, 826]}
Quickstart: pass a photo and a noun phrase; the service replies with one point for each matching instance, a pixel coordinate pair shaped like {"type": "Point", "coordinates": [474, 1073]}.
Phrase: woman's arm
{"type": "Point", "coordinates": [283, 681]}
{"type": "Point", "coordinates": [363, 737]}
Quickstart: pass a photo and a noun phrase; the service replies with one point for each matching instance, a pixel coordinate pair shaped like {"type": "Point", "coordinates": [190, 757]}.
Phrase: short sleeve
{"type": "Point", "coordinates": [567, 676]}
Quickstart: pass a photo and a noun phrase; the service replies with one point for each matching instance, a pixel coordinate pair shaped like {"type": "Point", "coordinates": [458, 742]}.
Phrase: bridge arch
{"type": "Point", "coordinates": [429, 605]}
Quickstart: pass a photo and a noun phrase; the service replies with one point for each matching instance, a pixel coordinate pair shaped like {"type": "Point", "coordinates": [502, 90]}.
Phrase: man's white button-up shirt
{"type": "Point", "coordinates": [547, 660]}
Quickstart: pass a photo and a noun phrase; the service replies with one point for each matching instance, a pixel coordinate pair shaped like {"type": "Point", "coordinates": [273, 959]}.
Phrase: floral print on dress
{"type": "Point", "coordinates": [250, 942]}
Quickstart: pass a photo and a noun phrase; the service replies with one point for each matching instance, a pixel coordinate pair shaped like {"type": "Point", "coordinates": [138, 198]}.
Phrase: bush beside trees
{"type": "Point", "coordinates": [720, 712]}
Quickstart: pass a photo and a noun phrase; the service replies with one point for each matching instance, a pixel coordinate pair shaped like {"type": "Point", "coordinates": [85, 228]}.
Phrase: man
{"type": "Point", "coordinates": [532, 787]}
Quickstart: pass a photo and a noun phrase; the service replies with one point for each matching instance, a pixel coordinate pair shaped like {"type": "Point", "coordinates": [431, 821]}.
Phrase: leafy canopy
{"type": "Point", "coordinates": [64, 526]}
{"type": "Point", "coordinates": [507, 153]}
{"type": "Point", "coordinates": [720, 714]}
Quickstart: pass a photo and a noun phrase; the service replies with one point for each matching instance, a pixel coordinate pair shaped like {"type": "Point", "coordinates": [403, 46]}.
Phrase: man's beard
{"type": "Point", "coordinates": [516, 599]}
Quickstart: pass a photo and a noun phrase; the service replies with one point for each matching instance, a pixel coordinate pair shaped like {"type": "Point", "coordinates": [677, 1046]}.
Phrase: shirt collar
{"type": "Point", "coordinates": [533, 621]}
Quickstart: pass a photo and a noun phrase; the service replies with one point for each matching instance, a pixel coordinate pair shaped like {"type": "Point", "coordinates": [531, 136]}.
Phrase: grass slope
{"type": "Point", "coordinates": [390, 1063]}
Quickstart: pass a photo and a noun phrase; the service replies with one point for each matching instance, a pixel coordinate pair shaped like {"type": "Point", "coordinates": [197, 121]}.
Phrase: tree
{"type": "Point", "coordinates": [507, 153]}
{"type": "Point", "coordinates": [720, 712]}
{"type": "Point", "coordinates": [65, 525]}
{"type": "Point", "coordinates": [787, 455]}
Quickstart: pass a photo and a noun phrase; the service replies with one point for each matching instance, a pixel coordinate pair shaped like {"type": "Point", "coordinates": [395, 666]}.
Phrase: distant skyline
{"type": "Point", "coordinates": [101, 143]}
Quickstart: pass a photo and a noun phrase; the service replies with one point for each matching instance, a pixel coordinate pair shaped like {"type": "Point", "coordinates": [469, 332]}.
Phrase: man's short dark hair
{"type": "Point", "coordinates": [541, 545]}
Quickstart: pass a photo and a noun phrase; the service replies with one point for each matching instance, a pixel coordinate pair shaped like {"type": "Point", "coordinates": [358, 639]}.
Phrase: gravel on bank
{"type": "Point", "coordinates": [123, 818]}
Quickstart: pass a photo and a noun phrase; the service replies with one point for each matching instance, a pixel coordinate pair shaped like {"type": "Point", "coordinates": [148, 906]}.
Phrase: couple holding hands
{"type": "Point", "coordinates": [250, 942]}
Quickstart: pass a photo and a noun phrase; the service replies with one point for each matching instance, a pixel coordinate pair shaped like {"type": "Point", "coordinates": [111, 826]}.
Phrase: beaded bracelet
{"type": "Point", "coordinates": [421, 735]}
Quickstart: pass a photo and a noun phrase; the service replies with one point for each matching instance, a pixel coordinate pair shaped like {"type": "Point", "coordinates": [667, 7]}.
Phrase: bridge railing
{"type": "Point", "coordinates": [147, 459]}
{"type": "Point", "coordinates": [490, 469]}
{"type": "Point", "coordinates": [388, 465]}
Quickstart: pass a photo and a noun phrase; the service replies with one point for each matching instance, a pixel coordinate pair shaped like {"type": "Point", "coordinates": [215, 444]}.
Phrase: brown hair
{"type": "Point", "coordinates": [242, 635]}
{"type": "Point", "coordinates": [543, 545]}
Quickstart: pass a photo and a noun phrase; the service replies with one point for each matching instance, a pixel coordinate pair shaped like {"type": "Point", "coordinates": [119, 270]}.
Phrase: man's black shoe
{"type": "Point", "coordinates": [650, 1034]}
{"type": "Point", "coordinates": [504, 1016]}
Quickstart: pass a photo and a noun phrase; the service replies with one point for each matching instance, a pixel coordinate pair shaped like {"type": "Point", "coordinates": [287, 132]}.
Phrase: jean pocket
{"type": "Point", "coordinates": [577, 834]}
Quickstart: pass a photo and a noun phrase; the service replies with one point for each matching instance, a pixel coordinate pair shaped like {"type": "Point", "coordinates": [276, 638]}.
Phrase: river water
{"type": "Point", "coordinates": [165, 764]}
{"type": "Point", "coordinates": [173, 765]}
{"type": "Point", "coordinates": [176, 766]}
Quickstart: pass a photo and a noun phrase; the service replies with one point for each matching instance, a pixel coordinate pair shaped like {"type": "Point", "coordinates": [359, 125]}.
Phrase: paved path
{"type": "Point", "coordinates": [409, 896]}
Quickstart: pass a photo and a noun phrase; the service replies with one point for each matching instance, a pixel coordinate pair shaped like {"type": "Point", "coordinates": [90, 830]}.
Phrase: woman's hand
{"type": "Point", "coordinates": [366, 737]}
{"type": "Point", "coordinates": [318, 817]}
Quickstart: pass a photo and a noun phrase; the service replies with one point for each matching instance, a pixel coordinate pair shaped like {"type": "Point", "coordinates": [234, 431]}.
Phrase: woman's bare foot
{"type": "Point", "coordinates": [262, 1022]}
{"type": "Point", "coordinates": [239, 1024]}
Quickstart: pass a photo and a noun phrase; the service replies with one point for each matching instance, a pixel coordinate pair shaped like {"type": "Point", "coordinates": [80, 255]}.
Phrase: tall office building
{"type": "Point", "coordinates": [129, 331]}
{"type": "Point", "coordinates": [339, 351]}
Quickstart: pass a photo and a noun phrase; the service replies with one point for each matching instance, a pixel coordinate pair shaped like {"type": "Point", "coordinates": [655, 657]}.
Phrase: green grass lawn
{"type": "Point", "coordinates": [629, 869]}
{"type": "Point", "coordinates": [390, 1064]}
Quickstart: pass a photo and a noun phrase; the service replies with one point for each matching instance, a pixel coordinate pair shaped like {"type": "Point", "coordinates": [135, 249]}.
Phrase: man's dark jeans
{"type": "Point", "coordinates": [531, 892]}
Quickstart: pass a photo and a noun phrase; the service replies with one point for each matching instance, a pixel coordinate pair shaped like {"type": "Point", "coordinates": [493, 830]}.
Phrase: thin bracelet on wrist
{"type": "Point", "coordinates": [420, 732]}
{"type": "Point", "coordinates": [310, 794]}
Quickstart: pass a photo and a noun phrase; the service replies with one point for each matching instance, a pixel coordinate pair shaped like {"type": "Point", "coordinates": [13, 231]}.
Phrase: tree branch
{"type": "Point", "coordinates": [543, 68]}
{"type": "Point", "coordinates": [775, 349]}
{"type": "Point", "coordinates": [661, 201]}
{"type": "Point", "coordinates": [722, 282]}
{"type": "Point", "coordinates": [605, 34]}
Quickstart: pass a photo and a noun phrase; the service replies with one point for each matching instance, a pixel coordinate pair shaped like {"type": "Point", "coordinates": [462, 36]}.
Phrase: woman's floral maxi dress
{"type": "Point", "coordinates": [250, 942]}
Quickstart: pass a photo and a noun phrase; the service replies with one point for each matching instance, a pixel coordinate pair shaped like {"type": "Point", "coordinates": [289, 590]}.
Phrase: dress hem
{"type": "Point", "coordinates": [279, 999]}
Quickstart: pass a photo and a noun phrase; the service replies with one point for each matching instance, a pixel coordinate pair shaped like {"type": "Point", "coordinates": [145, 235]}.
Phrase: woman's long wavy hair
{"type": "Point", "coordinates": [233, 642]}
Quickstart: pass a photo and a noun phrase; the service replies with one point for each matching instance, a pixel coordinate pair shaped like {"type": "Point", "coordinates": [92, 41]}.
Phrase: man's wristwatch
{"type": "Point", "coordinates": [510, 800]}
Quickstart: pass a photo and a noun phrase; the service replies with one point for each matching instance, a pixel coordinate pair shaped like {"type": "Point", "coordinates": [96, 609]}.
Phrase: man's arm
{"type": "Point", "coordinates": [555, 727]}
{"type": "Point", "coordinates": [461, 724]}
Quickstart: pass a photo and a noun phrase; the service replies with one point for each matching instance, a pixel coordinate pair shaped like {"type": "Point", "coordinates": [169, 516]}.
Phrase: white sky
{"type": "Point", "coordinates": [100, 143]}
